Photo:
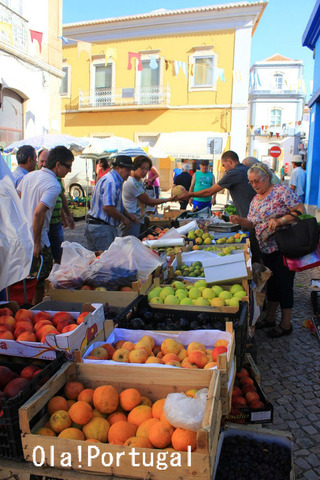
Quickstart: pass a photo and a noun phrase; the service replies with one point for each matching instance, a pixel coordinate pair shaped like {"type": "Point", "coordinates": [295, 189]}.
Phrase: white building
{"type": "Point", "coordinates": [30, 68]}
{"type": "Point", "coordinates": [276, 105]}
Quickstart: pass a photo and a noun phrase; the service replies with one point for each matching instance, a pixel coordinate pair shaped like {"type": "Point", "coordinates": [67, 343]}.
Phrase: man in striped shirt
{"type": "Point", "coordinates": [107, 210]}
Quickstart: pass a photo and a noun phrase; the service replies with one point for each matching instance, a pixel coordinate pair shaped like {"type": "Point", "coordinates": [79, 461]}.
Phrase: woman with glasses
{"type": "Point", "coordinates": [134, 196]}
{"type": "Point", "coordinates": [269, 210]}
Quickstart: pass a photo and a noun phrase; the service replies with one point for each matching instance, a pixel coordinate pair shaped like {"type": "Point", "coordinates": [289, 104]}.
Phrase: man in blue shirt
{"type": "Point", "coordinates": [107, 210]}
{"type": "Point", "coordinates": [27, 160]}
{"type": "Point", "coordinates": [298, 177]}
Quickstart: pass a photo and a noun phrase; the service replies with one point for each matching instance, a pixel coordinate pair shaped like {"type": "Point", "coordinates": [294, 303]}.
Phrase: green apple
{"type": "Point", "coordinates": [200, 283]}
{"type": "Point", "coordinates": [234, 302]}
{"type": "Point", "coordinates": [225, 294]}
{"type": "Point", "coordinates": [217, 289]}
{"type": "Point", "coordinates": [165, 292]}
{"type": "Point", "coordinates": [154, 293]}
{"type": "Point", "coordinates": [203, 302]}
{"type": "Point", "coordinates": [171, 300]}
{"type": "Point", "coordinates": [177, 285]}
{"type": "Point", "coordinates": [208, 293]}
{"type": "Point", "coordinates": [201, 289]}
{"type": "Point", "coordinates": [186, 301]}
{"type": "Point", "coordinates": [156, 300]}
{"type": "Point", "coordinates": [194, 293]}
{"type": "Point", "coordinates": [240, 294]}
{"type": "Point", "coordinates": [181, 294]}
{"type": "Point", "coordinates": [236, 288]}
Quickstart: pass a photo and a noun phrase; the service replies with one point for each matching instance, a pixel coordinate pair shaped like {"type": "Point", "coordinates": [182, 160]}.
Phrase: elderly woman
{"type": "Point", "coordinates": [270, 209]}
{"type": "Point", "coordinates": [134, 196]}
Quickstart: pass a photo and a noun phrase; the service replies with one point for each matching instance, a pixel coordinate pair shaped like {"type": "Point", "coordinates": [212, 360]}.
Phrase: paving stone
{"type": "Point", "coordinates": [302, 463]}
{"type": "Point", "coordinates": [311, 475]}
{"type": "Point", "coordinates": [292, 424]}
{"type": "Point", "coordinates": [310, 429]}
{"type": "Point", "coordinates": [303, 452]}
{"type": "Point", "coordinates": [313, 418]}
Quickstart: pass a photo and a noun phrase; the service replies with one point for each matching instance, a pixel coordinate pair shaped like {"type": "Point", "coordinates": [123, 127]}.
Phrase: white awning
{"type": "Point", "coordinates": [193, 145]}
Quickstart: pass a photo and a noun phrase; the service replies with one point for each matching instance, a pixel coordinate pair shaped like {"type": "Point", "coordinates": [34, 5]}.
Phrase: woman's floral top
{"type": "Point", "coordinates": [277, 203]}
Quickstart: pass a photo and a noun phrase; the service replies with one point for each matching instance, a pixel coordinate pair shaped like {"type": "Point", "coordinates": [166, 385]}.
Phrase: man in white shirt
{"type": "Point", "coordinates": [27, 160]}
{"type": "Point", "coordinates": [298, 177]}
{"type": "Point", "coordinates": [39, 191]}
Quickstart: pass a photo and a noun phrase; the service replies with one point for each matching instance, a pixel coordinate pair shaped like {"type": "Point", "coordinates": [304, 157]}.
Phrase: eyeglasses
{"type": "Point", "coordinates": [255, 182]}
{"type": "Point", "coordinates": [67, 165]}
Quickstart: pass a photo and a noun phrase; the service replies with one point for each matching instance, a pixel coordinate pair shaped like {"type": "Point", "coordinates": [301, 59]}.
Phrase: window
{"type": "Point", "coordinates": [102, 81]}
{"type": "Point", "coordinates": [203, 71]}
{"type": "Point", "coordinates": [278, 81]}
{"type": "Point", "coordinates": [64, 88]}
{"type": "Point", "coordinates": [103, 76]}
{"type": "Point", "coordinates": [275, 118]}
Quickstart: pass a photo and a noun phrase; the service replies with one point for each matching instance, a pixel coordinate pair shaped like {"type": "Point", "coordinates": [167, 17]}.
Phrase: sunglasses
{"type": "Point", "coordinates": [67, 165]}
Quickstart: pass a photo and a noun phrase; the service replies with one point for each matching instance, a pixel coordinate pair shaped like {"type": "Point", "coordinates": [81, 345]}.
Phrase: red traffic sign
{"type": "Point", "coordinates": [275, 151]}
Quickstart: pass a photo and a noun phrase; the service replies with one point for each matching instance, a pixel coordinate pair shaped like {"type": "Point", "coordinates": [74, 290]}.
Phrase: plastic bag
{"type": "Point", "coordinates": [16, 242]}
{"type": "Point", "coordinates": [74, 254]}
{"type": "Point", "coordinates": [306, 262]}
{"type": "Point", "coordinates": [125, 253]}
{"type": "Point", "coordinates": [66, 276]}
{"type": "Point", "coordinates": [186, 412]}
{"type": "Point", "coordinates": [111, 277]}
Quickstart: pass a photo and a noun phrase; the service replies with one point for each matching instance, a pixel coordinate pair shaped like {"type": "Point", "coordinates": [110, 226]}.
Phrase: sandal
{"type": "Point", "coordinates": [279, 332]}
{"type": "Point", "coordinates": [265, 324]}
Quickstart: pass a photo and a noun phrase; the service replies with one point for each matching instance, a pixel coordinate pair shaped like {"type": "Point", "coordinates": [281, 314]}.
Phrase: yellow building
{"type": "Point", "coordinates": [175, 80]}
{"type": "Point", "coordinates": [30, 59]}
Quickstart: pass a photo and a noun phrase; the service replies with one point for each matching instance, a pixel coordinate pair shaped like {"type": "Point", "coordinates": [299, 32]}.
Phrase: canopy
{"type": "Point", "coordinates": [49, 141]}
{"type": "Point", "coordinates": [115, 145]}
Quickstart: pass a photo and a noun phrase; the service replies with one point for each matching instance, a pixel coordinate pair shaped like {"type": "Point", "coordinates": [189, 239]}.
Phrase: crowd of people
{"type": "Point", "coordinates": [122, 195]}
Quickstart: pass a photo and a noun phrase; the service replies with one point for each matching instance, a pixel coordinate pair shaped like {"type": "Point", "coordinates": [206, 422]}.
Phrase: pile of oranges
{"type": "Point", "coordinates": [102, 415]}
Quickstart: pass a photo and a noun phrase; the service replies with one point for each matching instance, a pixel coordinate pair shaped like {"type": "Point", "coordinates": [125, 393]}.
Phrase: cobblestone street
{"type": "Point", "coordinates": [290, 375]}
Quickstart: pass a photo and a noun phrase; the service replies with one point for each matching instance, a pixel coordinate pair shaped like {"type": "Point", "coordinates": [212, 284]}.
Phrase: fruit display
{"type": "Point", "coordinates": [107, 415]}
{"type": "Point", "coordinates": [169, 250]}
{"type": "Point", "coordinates": [199, 294]}
{"type": "Point", "coordinates": [221, 251]}
{"type": "Point", "coordinates": [12, 383]}
{"type": "Point", "coordinates": [254, 457]}
{"type": "Point", "coordinates": [236, 238]}
{"type": "Point", "coordinates": [200, 237]}
{"type": "Point", "coordinates": [157, 233]}
{"type": "Point", "coordinates": [170, 352]}
{"type": "Point", "coordinates": [195, 269]}
{"type": "Point", "coordinates": [27, 326]}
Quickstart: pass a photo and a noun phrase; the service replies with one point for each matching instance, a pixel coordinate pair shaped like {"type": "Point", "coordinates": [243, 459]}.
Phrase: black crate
{"type": "Point", "coordinates": [185, 320]}
{"type": "Point", "coordinates": [10, 434]}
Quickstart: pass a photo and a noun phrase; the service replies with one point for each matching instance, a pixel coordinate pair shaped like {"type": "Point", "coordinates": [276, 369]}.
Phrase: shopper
{"type": "Point", "coordinates": [183, 179]}
{"type": "Point", "coordinates": [269, 210]}
{"type": "Point", "coordinates": [202, 179]}
{"type": "Point", "coordinates": [134, 196]}
{"type": "Point", "coordinates": [27, 160]}
{"type": "Point", "coordinates": [107, 209]}
{"type": "Point", "coordinates": [250, 161]}
{"type": "Point", "coordinates": [298, 177]}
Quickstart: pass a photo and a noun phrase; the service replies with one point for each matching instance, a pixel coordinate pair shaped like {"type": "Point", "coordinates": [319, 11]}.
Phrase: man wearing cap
{"type": "Point", "coordinates": [235, 180]}
{"type": "Point", "coordinates": [298, 177]}
{"type": "Point", "coordinates": [107, 210]}
{"type": "Point", "coordinates": [183, 179]}
{"type": "Point", "coordinates": [202, 180]}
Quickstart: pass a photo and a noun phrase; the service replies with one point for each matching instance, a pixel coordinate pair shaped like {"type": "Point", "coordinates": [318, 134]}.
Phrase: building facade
{"type": "Point", "coordinates": [276, 109]}
{"type": "Point", "coordinates": [30, 68]}
{"type": "Point", "coordinates": [311, 39]}
{"type": "Point", "coordinates": [175, 80]}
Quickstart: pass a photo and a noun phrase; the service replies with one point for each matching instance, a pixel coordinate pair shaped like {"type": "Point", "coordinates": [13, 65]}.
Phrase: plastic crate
{"type": "Point", "coordinates": [10, 434]}
{"type": "Point", "coordinates": [216, 320]}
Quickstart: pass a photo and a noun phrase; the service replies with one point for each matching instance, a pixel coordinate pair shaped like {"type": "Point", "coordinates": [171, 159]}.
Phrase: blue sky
{"type": "Point", "coordinates": [279, 31]}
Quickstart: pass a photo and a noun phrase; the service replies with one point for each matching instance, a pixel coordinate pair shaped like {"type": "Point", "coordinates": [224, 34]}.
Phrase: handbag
{"type": "Point", "coordinates": [306, 262]}
{"type": "Point", "coordinates": [298, 239]}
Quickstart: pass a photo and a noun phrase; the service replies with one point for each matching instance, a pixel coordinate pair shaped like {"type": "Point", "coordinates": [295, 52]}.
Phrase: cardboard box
{"type": "Point", "coordinates": [68, 342]}
{"type": "Point", "coordinates": [114, 299]}
{"type": "Point", "coordinates": [230, 267]}
{"type": "Point", "coordinates": [197, 465]}
{"type": "Point", "coordinates": [269, 436]}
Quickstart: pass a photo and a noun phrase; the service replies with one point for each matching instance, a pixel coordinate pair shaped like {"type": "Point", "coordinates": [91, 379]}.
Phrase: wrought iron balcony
{"type": "Point", "coordinates": [13, 30]}
{"type": "Point", "coordinates": [122, 97]}
{"type": "Point", "coordinates": [264, 90]}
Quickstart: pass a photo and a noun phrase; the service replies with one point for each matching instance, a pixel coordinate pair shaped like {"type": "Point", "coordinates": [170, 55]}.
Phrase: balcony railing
{"type": "Point", "coordinates": [103, 98]}
{"type": "Point", "coordinates": [13, 28]}
{"type": "Point", "coordinates": [275, 91]}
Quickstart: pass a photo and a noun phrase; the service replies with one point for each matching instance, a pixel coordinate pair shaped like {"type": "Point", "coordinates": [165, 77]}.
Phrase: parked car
{"type": "Point", "coordinates": [82, 178]}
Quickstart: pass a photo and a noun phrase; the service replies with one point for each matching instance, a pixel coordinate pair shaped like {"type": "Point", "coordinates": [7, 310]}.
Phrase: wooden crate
{"type": "Point", "coordinates": [195, 308]}
{"type": "Point", "coordinates": [198, 465]}
{"type": "Point", "coordinates": [115, 299]}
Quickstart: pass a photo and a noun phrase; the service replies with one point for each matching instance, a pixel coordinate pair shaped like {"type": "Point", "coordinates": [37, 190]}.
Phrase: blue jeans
{"type": "Point", "coordinates": [100, 237]}
{"type": "Point", "coordinates": [201, 205]}
{"type": "Point", "coordinates": [56, 238]}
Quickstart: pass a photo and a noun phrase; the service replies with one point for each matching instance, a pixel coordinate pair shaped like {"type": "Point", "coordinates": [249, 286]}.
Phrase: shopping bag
{"type": "Point", "coordinates": [298, 239]}
{"type": "Point", "coordinates": [306, 262]}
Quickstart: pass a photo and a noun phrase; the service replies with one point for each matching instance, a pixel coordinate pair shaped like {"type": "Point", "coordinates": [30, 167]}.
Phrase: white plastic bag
{"type": "Point", "coordinates": [16, 241]}
{"type": "Point", "coordinates": [76, 255]}
{"type": "Point", "coordinates": [125, 253]}
{"type": "Point", "coordinates": [186, 412]}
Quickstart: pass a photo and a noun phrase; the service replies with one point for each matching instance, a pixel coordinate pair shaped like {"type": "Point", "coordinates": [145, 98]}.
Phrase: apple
{"type": "Point", "coordinates": [198, 357]}
{"type": "Point", "coordinates": [139, 355]}
{"type": "Point", "coordinates": [121, 355]}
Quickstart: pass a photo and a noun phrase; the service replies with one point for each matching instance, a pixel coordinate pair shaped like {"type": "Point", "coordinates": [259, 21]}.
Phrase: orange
{"type": "Point", "coordinates": [141, 442]}
{"type": "Point", "coordinates": [146, 401]}
{"type": "Point", "coordinates": [182, 438]}
{"type": "Point", "coordinates": [129, 398]}
{"type": "Point", "coordinates": [59, 421]}
{"type": "Point", "coordinates": [45, 431]}
{"type": "Point", "coordinates": [57, 403]}
{"type": "Point", "coordinates": [106, 399]}
{"type": "Point", "coordinates": [221, 343]}
{"type": "Point", "coordinates": [81, 413]}
{"type": "Point", "coordinates": [119, 432]}
{"type": "Point", "coordinates": [96, 413]}
{"type": "Point", "coordinates": [143, 429]}
{"type": "Point", "coordinates": [97, 428]}
{"type": "Point", "coordinates": [157, 408]}
{"type": "Point", "coordinates": [139, 414]}
{"type": "Point", "coordinates": [116, 417]}
{"type": "Point", "coordinates": [160, 435]}
{"type": "Point", "coordinates": [72, 390]}
{"type": "Point", "coordinates": [72, 433]}
{"type": "Point", "coordinates": [86, 395]}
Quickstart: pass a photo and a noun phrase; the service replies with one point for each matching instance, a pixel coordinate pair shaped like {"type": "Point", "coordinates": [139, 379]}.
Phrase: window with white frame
{"type": "Point", "coordinates": [275, 117]}
{"type": "Point", "coordinates": [65, 81]}
{"type": "Point", "coordinates": [278, 81]}
{"type": "Point", "coordinates": [201, 69]}
{"type": "Point", "coordinates": [102, 82]}
{"type": "Point", "coordinates": [149, 90]}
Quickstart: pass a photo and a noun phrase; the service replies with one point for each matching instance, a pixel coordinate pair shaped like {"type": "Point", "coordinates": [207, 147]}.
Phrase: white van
{"type": "Point", "coordinates": [82, 178]}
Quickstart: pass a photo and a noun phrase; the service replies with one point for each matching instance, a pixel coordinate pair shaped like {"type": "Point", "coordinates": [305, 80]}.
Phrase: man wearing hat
{"type": "Point", "coordinates": [298, 177]}
{"type": "Point", "coordinates": [107, 210]}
